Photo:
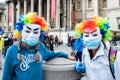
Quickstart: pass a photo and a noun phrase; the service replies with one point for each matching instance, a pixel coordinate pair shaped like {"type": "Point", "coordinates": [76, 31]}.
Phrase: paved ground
{"type": "Point", "coordinates": [1, 70]}
{"type": "Point", "coordinates": [60, 48]}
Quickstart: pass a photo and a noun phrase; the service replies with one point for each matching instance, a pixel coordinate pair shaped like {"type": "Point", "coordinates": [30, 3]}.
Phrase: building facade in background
{"type": "Point", "coordinates": [85, 9]}
{"type": "Point", "coordinates": [63, 15]}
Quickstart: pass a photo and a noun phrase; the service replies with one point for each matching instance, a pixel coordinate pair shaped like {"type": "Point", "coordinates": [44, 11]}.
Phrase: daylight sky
{"type": "Point", "coordinates": [2, 0]}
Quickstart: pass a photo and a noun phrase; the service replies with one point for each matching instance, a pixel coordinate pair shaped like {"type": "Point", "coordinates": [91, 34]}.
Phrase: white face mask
{"type": "Point", "coordinates": [92, 40]}
{"type": "Point", "coordinates": [30, 34]}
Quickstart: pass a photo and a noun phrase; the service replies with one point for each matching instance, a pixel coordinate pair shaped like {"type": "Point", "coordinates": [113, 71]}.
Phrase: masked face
{"type": "Point", "coordinates": [92, 40]}
{"type": "Point", "coordinates": [30, 34]}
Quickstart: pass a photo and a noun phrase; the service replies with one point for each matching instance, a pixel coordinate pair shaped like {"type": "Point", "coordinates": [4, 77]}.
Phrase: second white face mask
{"type": "Point", "coordinates": [92, 40]}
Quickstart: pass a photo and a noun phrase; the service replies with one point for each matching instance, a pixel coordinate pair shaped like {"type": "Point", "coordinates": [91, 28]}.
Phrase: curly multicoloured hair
{"type": "Point", "coordinates": [30, 18]}
{"type": "Point", "coordinates": [92, 24]}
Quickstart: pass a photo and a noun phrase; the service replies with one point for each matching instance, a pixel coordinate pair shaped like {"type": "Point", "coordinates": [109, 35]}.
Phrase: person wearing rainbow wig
{"type": "Point", "coordinates": [95, 63]}
{"type": "Point", "coordinates": [24, 58]}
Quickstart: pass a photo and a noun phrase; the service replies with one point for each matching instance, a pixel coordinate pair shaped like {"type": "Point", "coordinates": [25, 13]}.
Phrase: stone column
{"type": "Point", "coordinates": [83, 9]}
{"type": "Point", "coordinates": [60, 68]}
{"type": "Point", "coordinates": [57, 14]}
{"type": "Point", "coordinates": [32, 5]}
{"type": "Point", "coordinates": [65, 15]}
{"type": "Point", "coordinates": [48, 11]}
{"type": "Point", "coordinates": [18, 9]}
{"type": "Point", "coordinates": [70, 14]}
{"type": "Point", "coordinates": [40, 7]}
{"type": "Point", "coordinates": [25, 7]}
{"type": "Point", "coordinates": [95, 7]}
{"type": "Point", "coordinates": [6, 26]}
{"type": "Point", "coordinates": [13, 17]}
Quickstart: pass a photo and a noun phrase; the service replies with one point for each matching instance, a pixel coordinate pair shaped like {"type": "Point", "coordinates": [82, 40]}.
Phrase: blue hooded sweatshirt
{"type": "Point", "coordinates": [28, 68]}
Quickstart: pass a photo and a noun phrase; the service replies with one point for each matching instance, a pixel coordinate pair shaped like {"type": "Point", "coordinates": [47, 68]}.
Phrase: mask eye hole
{"type": "Point", "coordinates": [86, 35]}
{"type": "Point", "coordinates": [27, 31]}
{"type": "Point", "coordinates": [95, 35]}
{"type": "Point", "coordinates": [35, 32]}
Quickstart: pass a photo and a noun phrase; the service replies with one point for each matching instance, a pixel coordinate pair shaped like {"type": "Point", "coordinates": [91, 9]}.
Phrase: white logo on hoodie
{"type": "Point", "coordinates": [26, 60]}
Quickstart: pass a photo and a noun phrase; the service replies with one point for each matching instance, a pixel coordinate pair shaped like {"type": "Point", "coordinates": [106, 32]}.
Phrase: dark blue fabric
{"type": "Point", "coordinates": [42, 35]}
{"type": "Point", "coordinates": [78, 45]}
{"type": "Point", "coordinates": [1, 31]}
{"type": "Point", "coordinates": [80, 67]}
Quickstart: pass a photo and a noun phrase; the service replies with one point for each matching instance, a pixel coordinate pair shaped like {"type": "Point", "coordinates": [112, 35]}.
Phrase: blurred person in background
{"type": "Point", "coordinates": [56, 41]}
{"type": "Point", "coordinates": [1, 49]}
{"type": "Point", "coordinates": [44, 37]}
{"type": "Point", "coordinates": [7, 42]}
{"type": "Point", "coordinates": [77, 50]}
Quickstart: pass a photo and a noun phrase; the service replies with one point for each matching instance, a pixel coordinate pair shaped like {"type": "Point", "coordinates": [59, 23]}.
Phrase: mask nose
{"type": "Point", "coordinates": [90, 37]}
{"type": "Point", "coordinates": [31, 35]}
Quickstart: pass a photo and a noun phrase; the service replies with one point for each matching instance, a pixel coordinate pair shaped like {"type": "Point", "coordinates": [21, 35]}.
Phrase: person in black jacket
{"type": "Point", "coordinates": [44, 37]}
{"type": "Point", "coordinates": [6, 43]}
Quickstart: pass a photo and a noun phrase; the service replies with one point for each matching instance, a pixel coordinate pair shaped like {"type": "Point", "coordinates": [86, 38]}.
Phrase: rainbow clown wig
{"type": "Point", "coordinates": [30, 18]}
{"type": "Point", "coordinates": [92, 24]}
